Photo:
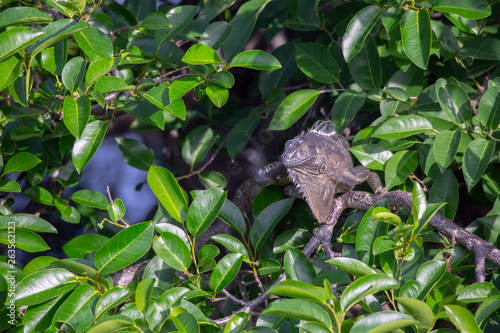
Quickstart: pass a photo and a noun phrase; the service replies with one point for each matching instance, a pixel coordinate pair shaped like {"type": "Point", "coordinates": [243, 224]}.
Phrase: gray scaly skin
{"type": "Point", "coordinates": [320, 165]}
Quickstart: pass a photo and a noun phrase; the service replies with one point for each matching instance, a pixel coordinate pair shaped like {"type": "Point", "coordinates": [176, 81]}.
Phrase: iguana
{"type": "Point", "coordinates": [320, 165]}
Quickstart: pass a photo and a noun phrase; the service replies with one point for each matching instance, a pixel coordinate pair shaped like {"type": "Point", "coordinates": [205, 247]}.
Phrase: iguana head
{"type": "Point", "coordinates": [315, 161]}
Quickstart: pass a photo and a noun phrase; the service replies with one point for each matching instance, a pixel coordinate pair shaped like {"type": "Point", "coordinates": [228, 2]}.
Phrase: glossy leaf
{"type": "Point", "coordinates": [172, 250]}
{"type": "Point", "coordinates": [368, 231]}
{"type": "Point", "coordinates": [179, 17]}
{"type": "Point", "coordinates": [182, 86]}
{"type": "Point", "coordinates": [200, 54]}
{"type": "Point", "coordinates": [473, 10]}
{"type": "Point", "coordinates": [358, 30]}
{"type": "Point", "coordinates": [402, 127]}
{"type": "Point", "coordinates": [445, 147]}
{"type": "Point", "coordinates": [25, 240]}
{"type": "Point", "coordinates": [76, 114]}
{"type": "Point", "coordinates": [293, 108]}
{"type": "Point", "coordinates": [54, 57]}
{"type": "Point", "coordinates": [489, 108]}
{"type": "Point", "coordinates": [94, 43]}
{"type": "Point", "coordinates": [217, 94]}
{"type": "Point", "coordinates": [98, 69]}
{"type": "Point", "coordinates": [365, 66]}
{"type": "Point", "coordinates": [20, 162]}
{"type": "Point", "coordinates": [39, 194]}
{"type": "Point", "coordinates": [490, 305]}
{"type": "Point", "coordinates": [212, 179]}
{"type": "Point", "coordinates": [146, 112]}
{"type": "Point", "coordinates": [255, 59]}
{"type": "Point", "coordinates": [482, 47]}
{"type": "Point", "coordinates": [215, 34]}
{"type": "Point", "coordinates": [73, 73]}
{"type": "Point", "coordinates": [419, 311]}
{"type": "Point", "coordinates": [445, 189]}
{"type": "Point", "coordinates": [110, 299]}
{"type": "Point", "coordinates": [57, 31]}
{"type": "Point", "coordinates": [9, 185]}
{"type": "Point", "coordinates": [156, 20]}
{"type": "Point", "coordinates": [298, 267]}
{"type": "Point", "coordinates": [10, 69]}
{"type": "Point", "coordinates": [462, 318]}
{"type": "Point", "coordinates": [401, 165]}
{"type": "Point", "coordinates": [352, 266]}
{"type": "Point", "coordinates": [159, 96]}
{"type": "Point", "coordinates": [136, 154]}
{"type": "Point", "coordinates": [116, 210]}
{"type": "Point", "coordinates": [345, 109]}
{"type": "Point", "coordinates": [124, 248]}
{"type": "Point", "coordinates": [476, 159]}
{"type": "Point", "coordinates": [168, 192]}
{"type": "Point", "coordinates": [364, 286]}
{"type": "Point", "coordinates": [416, 34]}
{"type": "Point", "coordinates": [77, 310]}
{"type": "Point", "coordinates": [44, 285]}
{"type": "Point", "coordinates": [454, 102]}
{"type": "Point", "coordinates": [23, 15]}
{"type": "Point", "coordinates": [226, 270]}
{"type": "Point", "coordinates": [237, 323]}
{"type": "Point", "coordinates": [110, 84]}
{"type": "Point", "coordinates": [372, 156]}
{"type": "Point", "coordinates": [90, 198]}
{"type": "Point", "coordinates": [232, 215]}
{"type": "Point", "coordinates": [291, 239]}
{"type": "Point", "coordinates": [16, 39]}
{"type": "Point", "coordinates": [383, 321]}
{"type": "Point", "coordinates": [197, 145]}
{"type": "Point", "coordinates": [299, 289]}
{"type": "Point", "coordinates": [86, 146]}
{"type": "Point", "coordinates": [232, 244]}
{"type": "Point", "coordinates": [83, 244]}
{"type": "Point", "coordinates": [299, 309]}
{"type": "Point", "coordinates": [204, 209]}
{"type": "Point", "coordinates": [316, 62]}
{"type": "Point", "coordinates": [267, 220]}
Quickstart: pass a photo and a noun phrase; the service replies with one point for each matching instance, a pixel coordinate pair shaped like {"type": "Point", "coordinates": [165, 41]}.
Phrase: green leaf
{"type": "Point", "coordinates": [484, 311]}
{"type": "Point", "coordinates": [23, 15]}
{"type": "Point", "coordinates": [267, 220]}
{"type": "Point", "coordinates": [98, 69]}
{"type": "Point", "coordinates": [225, 272]}
{"type": "Point", "coordinates": [299, 289]}
{"type": "Point", "coordinates": [39, 194]}
{"type": "Point", "coordinates": [454, 102]}
{"type": "Point", "coordinates": [204, 209]}
{"type": "Point", "coordinates": [159, 97]}
{"type": "Point", "coordinates": [94, 43]}
{"type": "Point", "coordinates": [462, 318]}
{"type": "Point", "coordinates": [372, 156]}
{"type": "Point", "coordinates": [399, 167]}
{"type": "Point", "coordinates": [184, 321]}
{"type": "Point", "coordinates": [143, 294]}
{"type": "Point", "coordinates": [180, 17]}
{"type": "Point", "coordinates": [483, 48]}
{"type": "Point", "coordinates": [156, 20]}
{"type": "Point", "coordinates": [316, 62]}
{"type": "Point", "coordinates": [291, 239]}
{"type": "Point", "coordinates": [182, 86]}
{"type": "Point", "coordinates": [224, 79]}
{"type": "Point", "coordinates": [298, 267]}
{"type": "Point", "coordinates": [16, 39]}
{"type": "Point", "coordinates": [420, 311]}
{"type": "Point", "coordinates": [352, 266]}
{"type": "Point", "coordinates": [255, 59]}
{"type": "Point", "coordinates": [116, 210]}
{"type": "Point", "coordinates": [476, 159]}
{"type": "Point", "coordinates": [232, 244]}
{"type": "Point", "coordinates": [77, 310]}
{"type": "Point", "coordinates": [73, 73]}
{"type": "Point", "coordinates": [293, 107]}
{"type": "Point", "coordinates": [217, 94]}
{"type": "Point", "coordinates": [299, 309]}
{"type": "Point", "coordinates": [489, 108]}
{"type": "Point", "coordinates": [91, 199]}
{"type": "Point", "coordinates": [43, 286]}
{"type": "Point", "coordinates": [383, 321]}
{"type": "Point", "coordinates": [57, 31]}
{"type": "Point", "coordinates": [200, 54]}
{"type": "Point", "coordinates": [383, 243]}
{"type": "Point", "coordinates": [473, 10]}
{"type": "Point", "coordinates": [26, 222]}
{"type": "Point", "coordinates": [215, 34]}
{"type": "Point", "coordinates": [110, 299]}
{"type": "Point", "coordinates": [144, 111]}
{"type": "Point", "coordinates": [83, 244]}
{"type": "Point", "coordinates": [25, 240]}
{"type": "Point", "coordinates": [358, 30]}
{"type": "Point", "coordinates": [20, 162]}
{"type": "Point", "coordinates": [54, 57]}
{"type": "Point", "coordinates": [65, 8]}
{"type": "Point", "coordinates": [136, 154]}
{"type": "Point", "coordinates": [365, 66]}
{"type": "Point", "coordinates": [416, 34]}
{"type": "Point", "coordinates": [212, 179]}
{"type": "Point", "coordinates": [477, 292]}
{"type": "Point", "coordinates": [110, 84]}
{"type": "Point", "coordinates": [242, 26]}
{"type": "Point", "coordinates": [232, 215]}
{"type": "Point", "coordinates": [445, 189]}
{"type": "Point", "coordinates": [76, 114]}
{"type": "Point", "coordinates": [124, 248]}
{"type": "Point", "coordinates": [197, 145]}
{"type": "Point", "coordinates": [172, 250]}
{"type": "Point", "coordinates": [86, 146]}
{"type": "Point", "coordinates": [168, 192]}
{"type": "Point", "coordinates": [445, 147]}
{"type": "Point", "coordinates": [237, 322]}
{"type": "Point", "coordinates": [369, 229]}
{"type": "Point", "coordinates": [9, 185]}
{"type": "Point", "coordinates": [10, 69]}
{"type": "Point", "coordinates": [345, 109]}
{"type": "Point", "coordinates": [364, 286]}
{"type": "Point", "coordinates": [402, 127]}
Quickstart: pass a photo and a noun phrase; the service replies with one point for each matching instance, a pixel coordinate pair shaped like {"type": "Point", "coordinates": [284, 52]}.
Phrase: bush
{"type": "Point", "coordinates": [414, 87]}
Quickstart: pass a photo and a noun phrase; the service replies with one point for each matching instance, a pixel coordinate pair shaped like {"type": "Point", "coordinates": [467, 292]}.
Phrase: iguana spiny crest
{"type": "Point", "coordinates": [320, 165]}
